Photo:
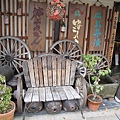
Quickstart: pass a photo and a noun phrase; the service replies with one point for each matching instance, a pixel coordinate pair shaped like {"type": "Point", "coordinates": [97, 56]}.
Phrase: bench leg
{"type": "Point", "coordinates": [24, 113]}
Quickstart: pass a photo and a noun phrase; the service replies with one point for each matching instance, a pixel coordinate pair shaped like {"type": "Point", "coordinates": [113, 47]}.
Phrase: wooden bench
{"type": "Point", "coordinates": [50, 77]}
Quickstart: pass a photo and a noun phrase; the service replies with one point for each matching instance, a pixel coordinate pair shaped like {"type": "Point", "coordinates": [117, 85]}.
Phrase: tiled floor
{"type": "Point", "coordinates": [109, 110]}
{"type": "Point", "coordinates": [106, 104]}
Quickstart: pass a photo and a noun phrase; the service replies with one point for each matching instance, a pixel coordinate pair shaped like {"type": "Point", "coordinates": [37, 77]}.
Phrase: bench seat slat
{"type": "Point", "coordinates": [55, 93]}
{"type": "Point", "coordinates": [74, 93]}
{"type": "Point", "coordinates": [42, 94]}
{"type": "Point", "coordinates": [67, 92]}
{"type": "Point", "coordinates": [51, 93]}
{"type": "Point", "coordinates": [28, 95]}
{"type": "Point", "coordinates": [48, 94]}
{"type": "Point", "coordinates": [61, 93]}
{"type": "Point", "coordinates": [35, 97]}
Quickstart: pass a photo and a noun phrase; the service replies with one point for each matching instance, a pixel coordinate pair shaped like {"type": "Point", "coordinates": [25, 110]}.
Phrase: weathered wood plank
{"type": "Point", "coordinates": [28, 95]}
{"type": "Point", "coordinates": [67, 92]}
{"type": "Point", "coordinates": [49, 68]}
{"type": "Point", "coordinates": [55, 93]}
{"type": "Point", "coordinates": [35, 97]}
{"type": "Point", "coordinates": [68, 65]}
{"type": "Point", "coordinates": [58, 71]}
{"type": "Point", "coordinates": [54, 70]}
{"type": "Point", "coordinates": [37, 26]}
{"type": "Point", "coordinates": [42, 94]}
{"type": "Point", "coordinates": [26, 74]}
{"type": "Point", "coordinates": [63, 72]}
{"type": "Point", "coordinates": [72, 72]}
{"type": "Point", "coordinates": [61, 93]}
{"type": "Point", "coordinates": [44, 64]}
{"type": "Point", "coordinates": [48, 94]}
{"type": "Point", "coordinates": [31, 72]}
{"type": "Point", "coordinates": [40, 72]}
{"type": "Point", "coordinates": [73, 92]}
{"type": "Point", "coordinates": [36, 71]}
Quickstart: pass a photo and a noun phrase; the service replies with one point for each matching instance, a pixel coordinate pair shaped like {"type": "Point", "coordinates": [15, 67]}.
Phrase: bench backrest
{"type": "Point", "coordinates": [49, 70]}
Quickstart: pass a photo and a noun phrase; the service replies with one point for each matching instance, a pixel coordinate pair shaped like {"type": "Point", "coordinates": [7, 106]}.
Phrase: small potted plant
{"type": "Point", "coordinates": [94, 74]}
{"type": "Point", "coordinates": [7, 107]}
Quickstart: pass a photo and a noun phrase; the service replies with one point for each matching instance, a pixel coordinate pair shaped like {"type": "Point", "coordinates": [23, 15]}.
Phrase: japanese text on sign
{"type": "Point", "coordinates": [98, 27]}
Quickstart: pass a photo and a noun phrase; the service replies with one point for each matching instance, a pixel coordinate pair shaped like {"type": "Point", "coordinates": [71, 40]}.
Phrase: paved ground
{"type": "Point", "coordinates": [109, 110]}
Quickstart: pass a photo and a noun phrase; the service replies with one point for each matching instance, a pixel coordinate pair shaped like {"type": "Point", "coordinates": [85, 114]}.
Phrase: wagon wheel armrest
{"type": "Point", "coordinates": [81, 70]}
{"type": "Point", "coordinates": [18, 94]}
{"type": "Point", "coordinates": [80, 87]}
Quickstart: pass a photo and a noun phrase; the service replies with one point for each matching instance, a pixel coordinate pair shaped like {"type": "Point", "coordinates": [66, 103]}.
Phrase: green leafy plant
{"type": "Point", "coordinates": [94, 73]}
{"type": "Point", "coordinates": [5, 95]}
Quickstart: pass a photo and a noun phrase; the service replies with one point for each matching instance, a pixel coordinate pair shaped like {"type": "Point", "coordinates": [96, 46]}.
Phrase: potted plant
{"type": "Point", "coordinates": [94, 74]}
{"type": "Point", "coordinates": [7, 107]}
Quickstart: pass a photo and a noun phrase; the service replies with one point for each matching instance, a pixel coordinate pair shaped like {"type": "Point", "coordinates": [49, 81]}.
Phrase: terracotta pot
{"type": "Point", "coordinates": [92, 105]}
{"type": "Point", "coordinates": [9, 115]}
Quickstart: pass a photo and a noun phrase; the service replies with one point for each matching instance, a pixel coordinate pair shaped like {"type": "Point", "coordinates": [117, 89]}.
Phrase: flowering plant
{"type": "Point", "coordinates": [94, 73]}
{"type": "Point", "coordinates": [5, 95]}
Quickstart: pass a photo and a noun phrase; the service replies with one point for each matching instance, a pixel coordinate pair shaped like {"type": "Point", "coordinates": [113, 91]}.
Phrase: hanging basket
{"type": "Point", "coordinates": [56, 10]}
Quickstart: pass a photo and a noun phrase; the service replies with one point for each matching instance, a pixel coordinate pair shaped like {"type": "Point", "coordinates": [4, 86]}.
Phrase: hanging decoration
{"type": "Point", "coordinates": [6, 18]}
{"type": "Point", "coordinates": [56, 10]}
{"type": "Point", "coordinates": [19, 10]}
{"type": "Point", "coordinates": [63, 26]}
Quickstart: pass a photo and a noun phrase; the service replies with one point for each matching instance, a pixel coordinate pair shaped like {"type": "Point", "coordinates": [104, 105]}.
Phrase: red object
{"type": "Point", "coordinates": [92, 105]}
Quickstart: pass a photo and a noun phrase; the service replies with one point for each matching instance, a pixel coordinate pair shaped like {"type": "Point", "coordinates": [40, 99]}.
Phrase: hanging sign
{"type": "Point", "coordinates": [112, 36]}
{"type": "Point", "coordinates": [76, 22]}
{"type": "Point", "coordinates": [37, 26]}
{"type": "Point", "coordinates": [97, 28]}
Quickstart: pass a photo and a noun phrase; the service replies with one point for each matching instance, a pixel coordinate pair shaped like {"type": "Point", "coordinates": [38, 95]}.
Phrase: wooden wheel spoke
{"type": "Point", "coordinates": [103, 63]}
{"type": "Point", "coordinates": [17, 63]}
{"type": "Point", "coordinates": [65, 47]}
{"type": "Point", "coordinates": [75, 52]}
{"type": "Point", "coordinates": [76, 56]}
{"type": "Point", "coordinates": [104, 67]}
{"type": "Point", "coordinates": [3, 63]}
{"type": "Point", "coordinates": [8, 46]}
{"type": "Point", "coordinates": [60, 45]}
{"type": "Point", "coordinates": [57, 51]}
{"type": "Point", "coordinates": [18, 50]}
{"type": "Point", "coordinates": [2, 52]}
{"type": "Point", "coordinates": [3, 47]}
{"type": "Point", "coordinates": [19, 59]}
{"type": "Point", "coordinates": [72, 49]}
{"type": "Point", "coordinates": [15, 67]}
{"type": "Point", "coordinates": [2, 58]}
{"type": "Point", "coordinates": [13, 49]}
{"type": "Point", "coordinates": [68, 48]}
{"type": "Point", "coordinates": [18, 55]}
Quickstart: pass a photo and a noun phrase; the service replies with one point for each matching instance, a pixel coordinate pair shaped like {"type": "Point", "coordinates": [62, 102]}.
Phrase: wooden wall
{"type": "Point", "coordinates": [18, 24]}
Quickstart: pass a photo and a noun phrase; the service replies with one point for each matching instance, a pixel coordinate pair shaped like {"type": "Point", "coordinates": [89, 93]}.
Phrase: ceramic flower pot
{"type": "Point", "coordinates": [9, 115]}
{"type": "Point", "coordinates": [93, 105]}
